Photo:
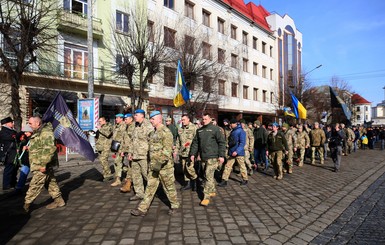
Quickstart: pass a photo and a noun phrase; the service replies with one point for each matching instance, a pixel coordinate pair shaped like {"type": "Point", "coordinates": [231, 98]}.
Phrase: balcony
{"type": "Point", "coordinates": [77, 23]}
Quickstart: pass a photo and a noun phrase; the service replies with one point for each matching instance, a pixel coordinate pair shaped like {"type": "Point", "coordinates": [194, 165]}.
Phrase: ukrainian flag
{"type": "Point", "coordinates": [288, 112]}
{"type": "Point", "coordinates": [182, 95]}
{"type": "Point", "coordinates": [299, 109]}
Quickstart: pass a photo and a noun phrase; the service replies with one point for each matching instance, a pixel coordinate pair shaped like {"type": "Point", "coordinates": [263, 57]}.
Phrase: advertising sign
{"type": "Point", "coordinates": [88, 113]}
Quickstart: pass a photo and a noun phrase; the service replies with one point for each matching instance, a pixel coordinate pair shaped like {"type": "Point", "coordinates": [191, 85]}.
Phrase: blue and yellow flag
{"type": "Point", "coordinates": [288, 112]}
{"type": "Point", "coordinates": [299, 109]}
{"type": "Point", "coordinates": [182, 95]}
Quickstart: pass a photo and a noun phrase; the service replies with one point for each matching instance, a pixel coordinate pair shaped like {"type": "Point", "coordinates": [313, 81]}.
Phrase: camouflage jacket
{"type": "Point", "coordinates": [127, 138]}
{"type": "Point", "coordinates": [249, 146]}
{"type": "Point", "coordinates": [317, 137]}
{"type": "Point", "coordinates": [350, 135]}
{"type": "Point", "coordinates": [186, 135]}
{"type": "Point", "coordinates": [119, 131]}
{"type": "Point", "coordinates": [291, 138]}
{"type": "Point", "coordinates": [303, 140]}
{"type": "Point", "coordinates": [160, 146]}
{"type": "Point", "coordinates": [103, 142]}
{"type": "Point", "coordinates": [138, 148]}
{"type": "Point", "coordinates": [42, 149]}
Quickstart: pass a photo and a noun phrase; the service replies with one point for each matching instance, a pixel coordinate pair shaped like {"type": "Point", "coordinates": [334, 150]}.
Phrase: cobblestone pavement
{"type": "Point", "coordinates": [312, 205]}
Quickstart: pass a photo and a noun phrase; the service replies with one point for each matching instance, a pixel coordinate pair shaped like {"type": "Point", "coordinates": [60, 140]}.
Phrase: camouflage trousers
{"type": "Point", "coordinates": [289, 158]}
{"type": "Point", "coordinates": [276, 159]}
{"type": "Point", "coordinates": [103, 158]}
{"type": "Point", "coordinates": [229, 167]}
{"type": "Point", "coordinates": [349, 144]}
{"type": "Point", "coordinates": [320, 151]}
{"type": "Point", "coordinates": [39, 180]}
{"type": "Point", "coordinates": [209, 166]}
{"type": "Point", "coordinates": [247, 160]}
{"type": "Point", "coordinates": [127, 169]}
{"type": "Point", "coordinates": [301, 155]}
{"type": "Point", "coordinates": [188, 169]}
{"type": "Point", "coordinates": [139, 170]}
{"type": "Point", "coordinates": [118, 165]}
{"type": "Point", "coordinates": [166, 177]}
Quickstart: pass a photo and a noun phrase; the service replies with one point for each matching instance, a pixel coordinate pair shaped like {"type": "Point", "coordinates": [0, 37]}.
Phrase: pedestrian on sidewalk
{"type": "Point", "coordinates": [161, 167]}
{"type": "Point", "coordinates": [42, 157]}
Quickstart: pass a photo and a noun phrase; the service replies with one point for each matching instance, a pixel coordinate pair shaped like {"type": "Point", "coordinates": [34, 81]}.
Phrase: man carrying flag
{"type": "Point", "coordinates": [182, 95]}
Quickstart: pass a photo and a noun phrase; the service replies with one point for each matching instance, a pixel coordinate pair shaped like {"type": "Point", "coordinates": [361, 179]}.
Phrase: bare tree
{"type": "Point", "coordinates": [140, 52]}
{"type": "Point", "coordinates": [27, 28]}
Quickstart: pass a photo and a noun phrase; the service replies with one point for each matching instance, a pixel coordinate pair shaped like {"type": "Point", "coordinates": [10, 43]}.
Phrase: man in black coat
{"type": "Point", "coordinates": [8, 151]}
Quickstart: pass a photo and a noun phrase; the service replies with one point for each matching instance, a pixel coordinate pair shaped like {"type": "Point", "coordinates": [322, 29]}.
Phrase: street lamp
{"type": "Point", "coordinates": [303, 79]}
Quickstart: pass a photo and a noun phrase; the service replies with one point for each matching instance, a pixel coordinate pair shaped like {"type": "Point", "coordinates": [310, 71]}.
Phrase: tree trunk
{"type": "Point", "coordinates": [15, 102]}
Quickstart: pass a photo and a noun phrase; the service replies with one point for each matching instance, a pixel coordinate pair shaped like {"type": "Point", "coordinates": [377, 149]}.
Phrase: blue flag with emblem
{"type": "Point", "coordinates": [67, 129]}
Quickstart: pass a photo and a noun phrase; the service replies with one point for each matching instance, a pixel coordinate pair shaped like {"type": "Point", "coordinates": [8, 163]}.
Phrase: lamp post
{"type": "Point", "coordinates": [303, 80]}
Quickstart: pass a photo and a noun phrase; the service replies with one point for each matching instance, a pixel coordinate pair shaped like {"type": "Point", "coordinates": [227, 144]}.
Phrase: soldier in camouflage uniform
{"type": "Point", "coordinates": [350, 139]}
{"type": "Point", "coordinates": [345, 142]}
{"type": "Point", "coordinates": [127, 137]}
{"type": "Point", "coordinates": [292, 147]}
{"type": "Point", "coordinates": [317, 139]}
{"type": "Point", "coordinates": [249, 146]}
{"type": "Point", "coordinates": [103, 146]}
{"type": "Point", "coordinates": [186, 135]}
{"type": "Point", "coordinates": [226, 130]}
{"type": "Point", "coordinates": [303, 142]}
{"type": "Point", "coordinates": [118, 134]}
{"type": "Point", "coordinates": [161, 167]}
{"type": "Point", "coordinates": [42, 158]}
{"type": "Point", "coordinates": [138, 153]}
{"type": "Point", "coordinates": [211, 145]}
{"type": "Point", "coordinates": [276, 146]}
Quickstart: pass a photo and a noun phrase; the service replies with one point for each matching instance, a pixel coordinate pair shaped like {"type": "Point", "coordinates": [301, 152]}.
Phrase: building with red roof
{"type": "Point", "coordinates": [362, 110]}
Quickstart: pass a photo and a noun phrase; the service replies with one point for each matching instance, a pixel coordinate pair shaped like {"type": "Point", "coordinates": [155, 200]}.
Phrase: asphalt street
{"type": "Point", "coordinates": [314, 205]}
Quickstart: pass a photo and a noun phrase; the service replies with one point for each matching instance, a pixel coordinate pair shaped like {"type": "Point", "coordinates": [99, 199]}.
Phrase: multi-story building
{"type": "Point", "coordinates": [361, 110]}
{"type": "Point", "coordinates": [261, 53]}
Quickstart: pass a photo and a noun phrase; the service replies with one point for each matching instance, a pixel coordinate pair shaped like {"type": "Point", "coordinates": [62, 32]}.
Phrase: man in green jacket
{"type": "Point", "coordinates": [276, 144]}
{"type": "Point", "coordinates": [103, 146]}
{"type": "Point", "coordinates": [210, 143]}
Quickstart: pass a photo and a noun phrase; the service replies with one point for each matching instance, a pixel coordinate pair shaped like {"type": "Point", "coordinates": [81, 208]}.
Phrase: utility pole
{"type": "Point", "coordinates": [90, 51]}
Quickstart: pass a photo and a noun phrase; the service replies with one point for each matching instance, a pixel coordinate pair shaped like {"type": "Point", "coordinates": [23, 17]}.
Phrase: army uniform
{"type": "Point", "coordinates": [42, 154]}
{"type": "Point", "coordinates": [186, 136]}
{"type": "Point", "coordinates": [276, 144]}
{"type": "Point", "coordinates": [118, 133]}
{"type": "Point", "coordinates": [249, 148]}
{"type": "Point", "coordinates": [291, 144]}
{"type": "Point", "coordinates": [303, 142]}
{"type": "Point", "coordinates": [161, 168]}
{"type": "Point", "coordinates": [349, 139]}
{"type": "Point", "coordinates": [103, 146]}
{"type": "Point", "coordinates": [317, 140]}
{"type": "Point", "coordinates": [138, 149]}
{"type": "Point", "coordinates": [127, 138]}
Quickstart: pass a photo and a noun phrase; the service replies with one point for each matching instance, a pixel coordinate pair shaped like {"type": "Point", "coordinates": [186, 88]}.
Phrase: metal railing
{"type": "Point", "coordinates": [79, 21]}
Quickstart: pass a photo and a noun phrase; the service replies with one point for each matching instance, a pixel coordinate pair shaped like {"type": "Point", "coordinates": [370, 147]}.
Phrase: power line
{"type": "Point", "coordinates": [355, 76]}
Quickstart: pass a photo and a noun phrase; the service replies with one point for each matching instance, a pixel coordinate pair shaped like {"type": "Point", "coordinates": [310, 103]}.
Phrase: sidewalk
{"type": "Point", "coordinates": [312, 205]}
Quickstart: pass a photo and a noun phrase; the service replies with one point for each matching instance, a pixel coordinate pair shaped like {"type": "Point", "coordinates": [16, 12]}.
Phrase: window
{"type": "Point", "coordinates": [255, 94]}
{"type": "Point", "coordinates": [264, 71]}
{"type": "Point", "coordinates": [245, 64]}
{"type": "Point", "coordinates": [189, 44]}
{"type": "Point", "coordinates": [234, 62]}
{"type": "Point", "coordinates": [358, 118]}
{"type": "Point", "coordinates": [366, 108]}
{"type": "Point", "coordinates": [169, 37]}
{"type": "Point", "coordinates": [271, 97]}
{"type": "Point", "coordinates": [75, 61]}
{"type": "Point", "coordinates": [221, 87]}
{"type": "Point", "coordinates": [244, 38]}
{"type": "Point", "coordinates": [366, 117]}
{"type": "Point", "coordinates": [358, 108]}
{"type": "Point", "coordinates": [264, 95]}
{"type": "Point", "coordinates": [168, 3]}
{"type": "Point", "coordinates": [271, 51]}
{"type": "Point", "coordinates": [206, 51]}
{"type": "Point", "coordinates": [76, 6]}
{"type": "Point", "coordinates": [169, 76]}
{"type": "Point", "coordinates": [150, 31]}
{"type": "Point", "coordinates": [264, 47]}
{"type": "Point", "coordinates": [255, 68]}
{"type": "Point", "coordinates": [245, 92]}
{"type": "Point", "coordinates": [189, 9]}
{"type": "Point", "coordinates": [271, 74]}
{"type": "Point", "coordinates": [206, 84]}
{"type": "Point", "coordinates": [206, 18]}
{"type": "Point", "coordinates": [221, 56]}
{"type": "Point", "coordinates": [234, 89]}
{"type": "Point", "coordinates": [121, 22]}
{"type": "Point", "coordinates": [121, 63]}
{"type": "Point", "coordinates": [255, 43]}
{"type": "Point", "coordinates": [233, 32]}
{"type": "Point", "coordinates": [221, 26]}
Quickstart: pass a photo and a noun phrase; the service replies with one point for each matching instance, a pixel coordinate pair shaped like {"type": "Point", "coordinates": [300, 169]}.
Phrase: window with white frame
{"type": "Point", "coordinates": [168, 3]}
{"type": "Point", "coordinates": [121, 22]}
{"type": "Point", "coordinates": [76, 6]}
{"type": "Point", "coordinates": [75, 61]}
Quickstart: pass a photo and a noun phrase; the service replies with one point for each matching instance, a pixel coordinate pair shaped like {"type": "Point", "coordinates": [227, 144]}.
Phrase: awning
{"type": "Point", "coordinates": [50, 94]}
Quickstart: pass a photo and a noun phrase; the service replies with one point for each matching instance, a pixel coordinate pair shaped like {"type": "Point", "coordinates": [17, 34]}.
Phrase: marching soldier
{"type": "Point", "coordinates": [161, 166]}
{"type": "Point", "coordinates": [249, 146]}
{"type": "Point", "coordinates": [103, 146]}
{"type": "Point", "coordinates": [186, 135]}
{"type": "Point", "coordinates": [317, 140]}
{"type": "Point", "coordinates": [276, 144]}
{"type": "Point", "coordinates": [127, 137]}
{"type": "Point", "coordinates": [303, 142]}
{"type": "Point", "coordinates": [292, 146]}
{"type": "Point", "coordinates": [119, 131]}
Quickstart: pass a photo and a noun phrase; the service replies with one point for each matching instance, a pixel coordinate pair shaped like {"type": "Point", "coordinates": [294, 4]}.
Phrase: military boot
{"type": "Point", "coordinates": [223, 183]}
{"type": "Point", "coordinates": [26, 207]}
{"type": "Point", "coordinates": [193, 185]}
{"type": "Point", "coordinates": [57, 203]}
{"type": "Point", "coordinates": [116, 182]}
{"type": "Point", "coordinates": [126, 187]}
{"type": "Point", "coordinates": [187, 186]}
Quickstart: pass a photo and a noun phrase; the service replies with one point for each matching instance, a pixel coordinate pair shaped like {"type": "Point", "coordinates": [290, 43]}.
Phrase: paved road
{"type": "Point", "coordinates": [313, 205]}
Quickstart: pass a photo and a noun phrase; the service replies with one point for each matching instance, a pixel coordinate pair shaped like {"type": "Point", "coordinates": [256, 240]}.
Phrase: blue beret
{"type": "Point", "coordinates": [140, 111]}
{"type": "Point", "coordinates": [154, 113]}
{"type": "Point", "coordinates": [128, 115]}
{"type": "Point", "coordinates": [276, 124]}
{"type": "Point", "coordinates": [119, 115]}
